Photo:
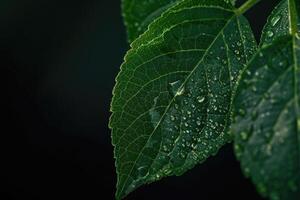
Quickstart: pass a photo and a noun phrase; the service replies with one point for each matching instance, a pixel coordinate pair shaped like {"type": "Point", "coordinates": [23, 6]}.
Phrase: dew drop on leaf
{"type": "Point", "coordinates": [200, 99]}
{"type": "Point", "coordinates": [142, 171]}
{"type": "Point", "coordinates": [275, 20]}
{"type": "Point", "coordinates": [270, 33]}
{"type": "Point", "coordinates": [174, 87]}
{"type": "Point", "coordinates": [172, 118]}
{"type": "Point", "coordinates": [180, 91]}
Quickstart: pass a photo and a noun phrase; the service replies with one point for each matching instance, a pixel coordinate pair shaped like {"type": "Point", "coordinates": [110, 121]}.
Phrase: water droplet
{"type": "Point", "coordinates": [180, 91]}
{"type": "Point", "coordinates": [200, 99]}
{"type": "Point", "coordinates": [194, 146]}
{"type": "Point", "coordinates": [172, 118]}
{"type": "Point", "coordinates": [185, 101]}
{"type": "Point", "coordinates": [166, 171]}
{"type": "Point", "coordinates": [275, 20]}
{"type": "Point", "coordinates": [165, 148]}
{"type": "Point", "coordinates": [154, 114]}
{"type": "Point", "coordinates": [174, 87]}
{"type": "Point", "coordinates": [142, 171]}
{"type": "Point", "coordinates": [270, 33]}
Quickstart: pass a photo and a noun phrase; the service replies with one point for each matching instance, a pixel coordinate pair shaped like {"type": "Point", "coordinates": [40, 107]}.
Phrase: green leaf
{"type": "Point", "coordinates": [266, 106]}
{"type": "Point", "coordinates": [172, 99]}
{"type": "Point", "coordinates": [277, 24]}
{"type": "Point", "coordinates": [138, 14]}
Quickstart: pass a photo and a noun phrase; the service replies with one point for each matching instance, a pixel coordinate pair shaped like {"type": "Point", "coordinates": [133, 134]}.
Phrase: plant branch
{"type": "Point", "coordinates": [246, 6]}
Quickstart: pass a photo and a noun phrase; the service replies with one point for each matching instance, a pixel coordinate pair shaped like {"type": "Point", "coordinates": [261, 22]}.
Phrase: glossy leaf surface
{"type": "Point", "coordinates": [267, 123]}
{"type": "Point", "coordinates": [172, 100]}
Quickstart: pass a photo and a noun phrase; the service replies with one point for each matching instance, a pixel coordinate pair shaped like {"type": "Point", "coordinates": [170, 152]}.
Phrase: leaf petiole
{"type": "Point", "coordinates": [246, 6]}
{"type": "Point", "coordinates": [293, 17]}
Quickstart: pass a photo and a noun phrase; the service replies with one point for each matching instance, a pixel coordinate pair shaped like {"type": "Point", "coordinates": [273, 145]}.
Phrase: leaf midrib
{"type": "Point", "coordinates": [294, 31]}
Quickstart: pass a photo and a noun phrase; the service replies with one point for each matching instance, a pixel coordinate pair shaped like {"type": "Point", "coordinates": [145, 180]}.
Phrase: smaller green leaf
{"type": "Point", "coordinates": [266, 108]}
{"type": "Point", "coordinates": [266, 121]}
{"type": "Point", "coordinates": [277, 24]}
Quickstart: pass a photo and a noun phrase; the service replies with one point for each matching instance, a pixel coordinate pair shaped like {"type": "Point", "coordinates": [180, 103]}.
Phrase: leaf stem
{"type": "Point", "coordinates": [293, 17]}
{"type": "Point", "coordinates": [246, 6]}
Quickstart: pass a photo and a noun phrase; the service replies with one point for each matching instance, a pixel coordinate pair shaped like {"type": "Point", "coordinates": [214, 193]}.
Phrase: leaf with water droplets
{"type": "Point", "coordinates": [277, 24]}
{"type": "Point", "coordinates": [267, 135]}
{"type": "Point", "coordinates": [172, 100]}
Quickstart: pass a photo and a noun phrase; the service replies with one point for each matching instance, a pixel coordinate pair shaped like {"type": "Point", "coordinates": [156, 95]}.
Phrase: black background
{"type": "Point", "coordinates": [58, 63]}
